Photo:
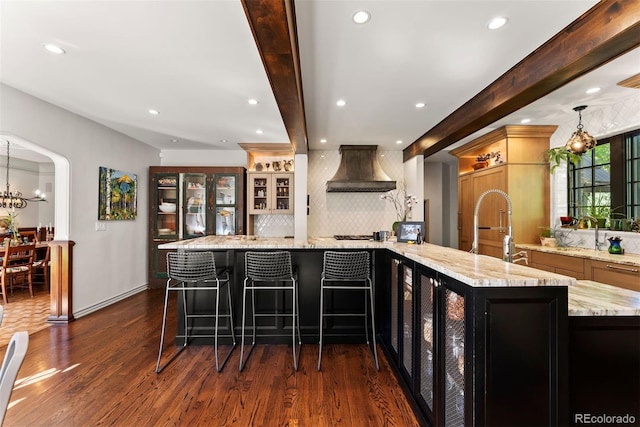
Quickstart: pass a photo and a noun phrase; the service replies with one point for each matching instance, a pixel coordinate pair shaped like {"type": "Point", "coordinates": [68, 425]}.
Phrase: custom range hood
{"type": "Point", "coordinates": [359, 172]}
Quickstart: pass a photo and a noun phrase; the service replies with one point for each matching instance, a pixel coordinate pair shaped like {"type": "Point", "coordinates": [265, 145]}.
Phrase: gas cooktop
{"type": "Point", "coordinates": [352, 237]}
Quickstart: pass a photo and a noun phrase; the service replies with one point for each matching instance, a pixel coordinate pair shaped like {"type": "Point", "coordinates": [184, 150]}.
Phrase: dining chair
{"type": "Point", "coordinates": [41, 268]}
{"type": "Point", "coordinates": [13, 358]}
{"type": "Point", "coordinates": [17, 263]}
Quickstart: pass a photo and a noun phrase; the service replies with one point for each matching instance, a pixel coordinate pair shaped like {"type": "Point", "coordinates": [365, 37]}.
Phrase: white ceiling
{"type": "Point", "coordinates": [197, 63]}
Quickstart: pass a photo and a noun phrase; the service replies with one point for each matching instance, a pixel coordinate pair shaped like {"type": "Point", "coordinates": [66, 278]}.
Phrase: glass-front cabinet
{"type": "Point", "coordinates": [189, 202]}
{"type": "Point", "coordinates": [226, 209]}
{"type": "Point", "coordinates": [164, 212]}
{"type": "Point", "coordinates": [270, 193]}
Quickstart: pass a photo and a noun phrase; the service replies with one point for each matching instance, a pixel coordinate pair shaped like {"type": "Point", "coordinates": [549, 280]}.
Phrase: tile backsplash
{"type": "Point", "coordinates": [348, 213]}
{"type": "Point", "coordinates": [586, 239]}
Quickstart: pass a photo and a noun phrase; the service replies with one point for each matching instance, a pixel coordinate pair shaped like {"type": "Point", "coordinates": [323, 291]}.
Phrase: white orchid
{"type": "Point", "coordinates": [402, 202]}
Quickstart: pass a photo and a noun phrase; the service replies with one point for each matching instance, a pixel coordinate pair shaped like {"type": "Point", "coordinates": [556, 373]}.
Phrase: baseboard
{"type": "Point", "coordinates": [110, 301]}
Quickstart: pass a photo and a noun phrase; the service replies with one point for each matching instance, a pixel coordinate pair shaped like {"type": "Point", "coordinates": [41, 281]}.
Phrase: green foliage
{"type": "Point", "coordinates": [557, 155]}
{"type": "Point", "coordinates": [546, 232]}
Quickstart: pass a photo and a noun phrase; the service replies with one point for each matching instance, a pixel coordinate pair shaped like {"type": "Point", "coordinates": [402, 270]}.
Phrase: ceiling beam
{"type": "Point", "coordinates": [606, 31]}
{"type": "Point", "coordinates": [273, 25]}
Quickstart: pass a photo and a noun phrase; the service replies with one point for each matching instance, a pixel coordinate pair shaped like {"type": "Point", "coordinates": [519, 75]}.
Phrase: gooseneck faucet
{"type": "Point", "coordinates": [508, 245]}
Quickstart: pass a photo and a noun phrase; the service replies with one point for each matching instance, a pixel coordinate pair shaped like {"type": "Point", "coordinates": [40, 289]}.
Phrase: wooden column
{"type": "Point", "coordinates": [61, 271]}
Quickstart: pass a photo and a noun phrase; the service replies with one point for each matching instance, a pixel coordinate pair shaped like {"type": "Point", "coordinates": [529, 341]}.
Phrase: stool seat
{"type": "Point", "coordinates": [270, 271]}
{"type": "Point", "coordinates": [348, 271]}
{"type": "Point", "coordinates": [196, 272]}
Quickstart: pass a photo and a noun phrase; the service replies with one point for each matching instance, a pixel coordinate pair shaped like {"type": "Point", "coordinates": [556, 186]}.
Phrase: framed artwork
{"type": "Point", "coordinates": [117, 195]}
{"type": "Point", "coordinates": [407, 231]}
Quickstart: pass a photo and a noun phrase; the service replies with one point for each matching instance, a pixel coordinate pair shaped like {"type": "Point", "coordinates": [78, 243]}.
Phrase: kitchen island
{"type": "Point", "coordinates": [474, 340]}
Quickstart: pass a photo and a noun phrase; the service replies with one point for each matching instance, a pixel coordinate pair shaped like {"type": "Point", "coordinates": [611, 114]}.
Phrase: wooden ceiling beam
{"type": "Point", "coordinates": [273, 25]}
{"type": "Point", "coordinates": [610, 29]}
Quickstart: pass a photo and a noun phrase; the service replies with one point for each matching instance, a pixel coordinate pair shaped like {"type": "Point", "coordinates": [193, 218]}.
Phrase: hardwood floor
{"type": "Point", "coordinates": [99, 370]}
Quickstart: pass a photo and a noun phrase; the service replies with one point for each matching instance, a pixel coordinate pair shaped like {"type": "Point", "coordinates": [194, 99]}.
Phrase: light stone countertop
{"type": "Point", "coordinates": [602, 255]}
{"type": "Point", "coordinates": [588, 298]}
{"type": "Point", "coordinates": [473, 270]}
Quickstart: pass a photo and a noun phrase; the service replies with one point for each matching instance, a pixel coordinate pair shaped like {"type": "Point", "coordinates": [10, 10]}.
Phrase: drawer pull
{"type": "Point", "coordinates": [615, 267]}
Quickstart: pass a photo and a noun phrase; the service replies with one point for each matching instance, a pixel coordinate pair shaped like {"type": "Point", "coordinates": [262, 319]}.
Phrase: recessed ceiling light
{"type": "Point", "coordinates": [154, 112]}
{"type": "Point", "coordinates": [224, 141]}
{"type": "Point", "coordinates": [361, 17]}
{"type": "Point", "coordinates": [253, 101]}
{"type": "Point", "coordinates": [399, 141]}
{"type": "Point", "coordinates": [341, 103]}
{"type": "Point", "coordinates": [259, 131]}
{"type": "Point", "coordinates": [524, 121]}
{"type": "Point", "coordinates": [323, 141]}
{"type": "Point", "coordinates": [497, 23]}
{"type": "Point", "coordinates": [53, 48]}
{"type": "Point", "coordinates": [420, 105]}
{"type": "Point", "coordinates": [593, 90]}
{"type": "Point", "coordinates": [173, 140]}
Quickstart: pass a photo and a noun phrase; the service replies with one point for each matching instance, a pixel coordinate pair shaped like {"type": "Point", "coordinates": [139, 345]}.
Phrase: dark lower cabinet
{"type": "Point", "coordinates": [604, 370]}
{"type": "Point", "coordinates": [477, 356]}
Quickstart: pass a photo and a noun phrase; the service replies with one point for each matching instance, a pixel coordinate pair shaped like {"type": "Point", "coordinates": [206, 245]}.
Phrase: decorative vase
{"type": "Point", "coordinates": [614, 246]}
{"type": "Point", "coordinates": [480, 165]}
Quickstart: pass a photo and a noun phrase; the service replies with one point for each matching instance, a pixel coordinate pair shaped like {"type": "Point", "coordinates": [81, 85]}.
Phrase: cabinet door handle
{"type": "Point", "coordinates": [615, 267]}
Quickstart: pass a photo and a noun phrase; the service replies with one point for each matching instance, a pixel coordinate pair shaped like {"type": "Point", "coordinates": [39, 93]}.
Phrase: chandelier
{"type": "Point", "coordinates": [12, 200]}
{"type": "Point", "coordinates": [580, 141]}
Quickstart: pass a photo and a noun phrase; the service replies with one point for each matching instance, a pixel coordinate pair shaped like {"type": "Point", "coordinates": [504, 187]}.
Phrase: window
{"type": "Point", "coordinates": [606, 181]}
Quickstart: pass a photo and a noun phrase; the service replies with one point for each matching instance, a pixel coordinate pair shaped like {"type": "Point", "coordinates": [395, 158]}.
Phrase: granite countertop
{"type": "Point", "coordinates": [602, 255]}
{"type": "Point", "coordinates": [588, 298]}
{"type": "Point", "coordinates": [471, 269]}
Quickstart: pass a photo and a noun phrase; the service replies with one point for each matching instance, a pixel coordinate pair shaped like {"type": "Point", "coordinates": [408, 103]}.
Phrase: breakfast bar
{"type": "Point", "coordinates": [472, 339]}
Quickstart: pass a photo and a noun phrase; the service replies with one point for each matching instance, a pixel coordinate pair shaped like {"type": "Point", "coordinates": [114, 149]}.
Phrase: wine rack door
{"type": "Point", "coordinates": [454, 359]}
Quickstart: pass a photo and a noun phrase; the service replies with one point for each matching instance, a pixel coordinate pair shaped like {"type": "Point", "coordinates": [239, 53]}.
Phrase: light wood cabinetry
{"type": "Point", "coordinates": [521, 171]}
{"type": "Point", "coordinates": [611, 273]}
{"type": "Point", "coordinates": [622, 275]}
{"type": "Point", "coordinates": [562, 264]}
{"type": "Point", "coordinates": [270, 193]}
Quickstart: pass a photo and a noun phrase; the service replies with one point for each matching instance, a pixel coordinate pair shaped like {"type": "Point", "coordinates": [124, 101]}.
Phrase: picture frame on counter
{"type": "Point", "coordinates": [407, 231]}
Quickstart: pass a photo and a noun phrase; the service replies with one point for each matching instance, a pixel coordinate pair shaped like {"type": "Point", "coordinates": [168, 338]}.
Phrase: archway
{"type": "Point", "coordinates": [61, 260]}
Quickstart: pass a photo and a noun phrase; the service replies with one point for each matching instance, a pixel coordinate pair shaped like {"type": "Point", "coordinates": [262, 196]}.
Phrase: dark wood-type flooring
{"type": "Point", "coordinates": [99, 371]}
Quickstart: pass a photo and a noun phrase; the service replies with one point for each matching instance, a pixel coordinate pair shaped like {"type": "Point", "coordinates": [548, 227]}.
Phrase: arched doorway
{"type": "Point", "coordinates": [61, 247]}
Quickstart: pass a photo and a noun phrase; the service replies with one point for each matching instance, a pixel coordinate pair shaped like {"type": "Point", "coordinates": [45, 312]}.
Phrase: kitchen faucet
{"type": "Point", "coordinates": [593, 221]}
{"type": "Point", "coordinates": [508, 245]}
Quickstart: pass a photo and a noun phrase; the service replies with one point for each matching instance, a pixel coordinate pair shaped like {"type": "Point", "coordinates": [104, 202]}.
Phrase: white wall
{"type": "Point", "coordinates": [203, 158]}
{"type": "Point", "coordinates": [109, 264]}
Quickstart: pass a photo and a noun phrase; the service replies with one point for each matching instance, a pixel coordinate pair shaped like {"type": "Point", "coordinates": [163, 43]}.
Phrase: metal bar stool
{"type": "Point", "coordinates": [270, 271]}
{"type": "Point", "coordinates": [348, 271]}
{"type": "Point", "coordinates": [196, 271]}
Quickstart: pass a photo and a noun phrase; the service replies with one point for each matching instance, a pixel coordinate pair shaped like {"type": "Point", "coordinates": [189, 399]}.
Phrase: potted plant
{"type": "Point", "coordinates": [548, 237]}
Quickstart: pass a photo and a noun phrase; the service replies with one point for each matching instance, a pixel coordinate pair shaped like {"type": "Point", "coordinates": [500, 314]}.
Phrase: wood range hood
{"type": "Point", "coordinates": [359, 172]}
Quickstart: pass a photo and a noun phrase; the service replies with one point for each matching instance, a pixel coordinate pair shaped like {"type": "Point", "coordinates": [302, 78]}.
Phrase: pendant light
{"type": "Point", "coordinates": [14, 200]}
{"type": "Point", "coordinates": [580, 141]}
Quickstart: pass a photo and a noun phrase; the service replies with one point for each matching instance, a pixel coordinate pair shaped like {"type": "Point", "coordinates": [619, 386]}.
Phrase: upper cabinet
{"type": "Point", "coordinates": [511, 159]}
{"type": "Point", "coordinates": [270, 193]}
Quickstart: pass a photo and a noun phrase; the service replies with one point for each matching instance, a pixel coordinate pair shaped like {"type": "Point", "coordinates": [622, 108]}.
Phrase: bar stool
{"type": "Point", "coordinates": [196, 271]}
{"type": "Point", "coordinates": [270, 271]}
{"type": "Point", "coordinates": [348, 271]}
